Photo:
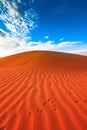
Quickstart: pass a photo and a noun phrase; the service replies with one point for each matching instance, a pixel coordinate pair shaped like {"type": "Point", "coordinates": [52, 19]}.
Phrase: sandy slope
{"type": "Point", "coordinates": [43, 91]}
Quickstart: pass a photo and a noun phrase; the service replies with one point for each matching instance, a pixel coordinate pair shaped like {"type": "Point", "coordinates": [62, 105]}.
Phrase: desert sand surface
{"type": "Point", "coordinates": [43, 90]}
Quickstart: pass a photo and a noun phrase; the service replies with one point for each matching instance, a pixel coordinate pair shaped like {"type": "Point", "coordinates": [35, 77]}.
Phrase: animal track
{"type": "Point", "coordinates": [29, 113]}
{"type": "Point", "coordinates": [49, 99]}
{"type": "Point", "coordinates": [53, 104]}
{"type": "Point", "coordinates": [55, 109]}
{"type": "Point", "coordinates": [44, 103]}
{"type": "Point", "coordinates": [39, 110]}
{"type": "Point", "coordinates": [13, 115]}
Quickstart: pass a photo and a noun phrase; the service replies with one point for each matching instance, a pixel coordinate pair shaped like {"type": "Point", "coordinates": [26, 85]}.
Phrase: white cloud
{"type": "Point", "coordinates": [18, 24]}
{"type": "Point", "coordinates": [46, 37]}
{"type": "Point", "coordinates": [2, 33]}
{"type": "Point", "coordinates": [11, 45]}
{"type": "Point", "coordinates": [61, 39]}
{"type": "Point", "coordinates": [19, 1]}
{"type": "Point", "coordinates": [81, 52]}
{"type": "Point", "coordinates": [11, 7]}
{"type": "Point", "coordinates": [68, 44]}
{"type": "Point", "coordinates": [1, 30]}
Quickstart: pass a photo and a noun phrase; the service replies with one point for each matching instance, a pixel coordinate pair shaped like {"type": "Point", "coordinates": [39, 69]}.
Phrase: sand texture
{"type": "Point", "coordinates": [43, 90]}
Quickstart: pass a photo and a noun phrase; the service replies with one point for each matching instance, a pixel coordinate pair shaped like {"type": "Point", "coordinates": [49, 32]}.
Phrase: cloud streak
{"type": "Point", "coordinates": [19, 22]}
{"type": "Point", "coordinates": [61, 39]}
{"type": "Point", "coordinates": [46, 37]}
{"type": "Point", "coordinates": [68, 44]}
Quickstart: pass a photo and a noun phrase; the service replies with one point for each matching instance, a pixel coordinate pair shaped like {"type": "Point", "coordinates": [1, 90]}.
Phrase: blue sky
{"type": "Point", "coordinates": [57, 25]}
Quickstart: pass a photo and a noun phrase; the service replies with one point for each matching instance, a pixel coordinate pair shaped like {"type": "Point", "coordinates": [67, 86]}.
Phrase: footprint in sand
{"type": "Point", "coordinates": [53, 104]}
{"type": "Point", "coordinates": [39, 110]}
{"type": "Point", "coordinates": [28, 113]}
{"type": "Point", "coordinates": [44, 103]}
{"type": "Point", "coordinates": [49, 100]}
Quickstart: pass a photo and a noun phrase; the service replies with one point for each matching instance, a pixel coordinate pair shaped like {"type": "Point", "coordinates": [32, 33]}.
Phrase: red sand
{"type": "Point", "coordinates": [42, 90]}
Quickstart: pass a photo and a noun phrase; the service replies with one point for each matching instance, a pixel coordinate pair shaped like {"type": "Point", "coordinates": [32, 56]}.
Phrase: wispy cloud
{"type": "Point", "coordinates": [61, 39]}
{"type": "Point", "coordinates": [19, 22]}
{"type": "Point", "coordinates": [68, 43]}
{"type": "Point", "coordinates": [2, 33]}
{"type": "Point", "coordinates": [19, 18]}
{"type": "Point", "coordinates": [46, 37]}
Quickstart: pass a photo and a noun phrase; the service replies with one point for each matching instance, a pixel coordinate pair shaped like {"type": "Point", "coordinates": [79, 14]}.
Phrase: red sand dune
{"type": "Point", "coordinates": [43, 90]}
